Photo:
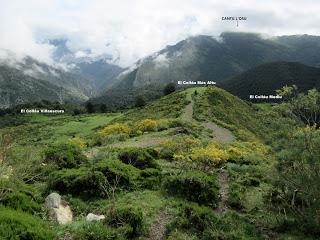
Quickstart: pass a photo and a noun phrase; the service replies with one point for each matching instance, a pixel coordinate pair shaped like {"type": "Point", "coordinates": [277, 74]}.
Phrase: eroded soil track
{"type": "Point", "coordinates": [219, 134]}
{"type": "Point", "coordinates": [158, 228]}
{"type": "Point", "coordinates": [223, 191]}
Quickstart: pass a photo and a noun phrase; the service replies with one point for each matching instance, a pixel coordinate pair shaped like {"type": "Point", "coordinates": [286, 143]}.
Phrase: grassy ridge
{"type": "Point", "coordinates": [225, 109]}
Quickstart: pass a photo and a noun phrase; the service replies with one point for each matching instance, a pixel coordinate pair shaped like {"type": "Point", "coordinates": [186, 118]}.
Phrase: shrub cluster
{"type": "Point", "coordinates": [194, 218]}
{"type": "Point", "coordinates": [78, 142]}
{"type": "Point", "coordinates": [236, 195]}
{"type": "Point", "coordinates": [115, 129]}
{"type": "Point", "coordinates": [180, 145]}
{"type": "Point", "coordinates": [150, 178]}
{"type": "Point", "coordinates": [17, 225]}
{"type": "Point", "coordinates": [97, 181]}
{"type": "Point", "coordinates": [247, 152]}
{"type": "Point", "coordinates": [202, 223]}
{"type": "Point", "coordinates": [122, 131]}
{"type": "Point", "coordinates": [129, 218]}
{"type": "Point", "coordinates": [194, 186]}
{"type": "Point", "coordinates": [208, 157]}
{"type": "Point", "coordinates": [21, 201]}
{"type": "Point", "coordinates": [122, 222]}
{"type": "Point", "coordinates": [65, 155]}
{"type": "Point", "coordinates": [93, 231]}
{"type": "Point", "coordinates": [82, 181]}
{"type": "Point", "coordinates": [118, 173]}
{"type": "Point", "coordinates": [137, 157]}
{"type": "Point", "coordinates": [94, 182]}
{"type": "Point", "coordinates": [147, 125]}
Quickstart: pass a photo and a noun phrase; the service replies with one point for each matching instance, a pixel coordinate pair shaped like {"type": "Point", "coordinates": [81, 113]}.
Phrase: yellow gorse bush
{"type": "Point", "coordinates": [77, 141]}
{"type": "Point", "coordinates": [209, 156]}
{"type": "Point", "coordinates": [163, 124]}
{"type": "Point", "coordinates": [147, 125]}
{"type": "Point", "coordinates": [235, 151]}
{"type": "Point", "coordinates": [180, 145]}
{"type": "Point", "coordinates": [114, 129]}
{"type": "Point", "coordinates": [248, 151]}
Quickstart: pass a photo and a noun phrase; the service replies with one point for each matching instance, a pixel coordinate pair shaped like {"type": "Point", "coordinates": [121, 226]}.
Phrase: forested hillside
{"type": "Point", "coordinates": [267, 78]}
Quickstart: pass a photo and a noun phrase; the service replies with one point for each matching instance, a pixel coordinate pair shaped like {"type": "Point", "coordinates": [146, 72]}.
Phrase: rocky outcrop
{"type": "Point", "coordinates": [59, 210]}
{"type": "Point", "coordinates": [93, 217]}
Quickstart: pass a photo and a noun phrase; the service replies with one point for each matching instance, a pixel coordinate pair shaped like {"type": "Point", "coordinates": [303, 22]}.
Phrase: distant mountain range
{"type": "Point", "coordinates": [210, 58]}
{"type": "Point", "coordinates": [99, 69]}
{"type": "Point", "coordinates": [232, 60]}
{"type": "Point", "coordinates": [27, 80]}
{"type": "Point", "coordinates": [267, 78]}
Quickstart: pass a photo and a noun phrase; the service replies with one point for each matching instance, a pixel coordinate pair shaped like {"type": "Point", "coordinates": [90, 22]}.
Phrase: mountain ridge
{"type": "Point", "coordinates": [28, 80]}
{"type": "Point", "coordinates": [210, 58]}
{"type": "Point", "coordinates": [265, 79]}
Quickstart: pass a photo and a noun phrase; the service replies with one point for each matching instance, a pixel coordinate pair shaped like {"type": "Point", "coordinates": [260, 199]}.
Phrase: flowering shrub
{"type": "Point", "coordinates": [147, 125]}
{"type": "Point", "coordinates": [163, 124]}
{"type": "Point", "coordinates": [181, 145]}
{"type": "Point", "coordinates": [115, 129]}
{"type": "Point", "coordinates": [247, 152]}
{"type": "Point", "coordinates": [209, 156]}
{"type": "Point", "coordinates": [78, 142]}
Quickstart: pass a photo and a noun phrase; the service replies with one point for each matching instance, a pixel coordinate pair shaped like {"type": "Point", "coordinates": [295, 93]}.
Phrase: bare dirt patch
{"type": "Point", "coordinates": [158, 228]}
{"type": "Point", "coordinates": [223, 191]}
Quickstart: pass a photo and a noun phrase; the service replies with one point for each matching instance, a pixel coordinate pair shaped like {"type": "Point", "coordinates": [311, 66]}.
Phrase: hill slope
{"type": "Point", "coordinates": [28, 80]}
{"type": "Point", "coordinates": [266, 78]}
{"type": "Point", "coordinates": [176, 181]}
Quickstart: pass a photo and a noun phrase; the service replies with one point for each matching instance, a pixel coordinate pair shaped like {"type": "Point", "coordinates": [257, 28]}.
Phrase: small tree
{"type": "Point", "coordinates": [299, 166]}
{"type": "Point", "coordinates": [305, 107]}
{"type": "Point", "coordinates": [90, 107]}
{"type": "Point", "coordinates": [103, 108]}
{"type": "Point", "coordinates": [76, 112]}
{"type": "Point", "coordinates": [140, 101]}
{"type": "Point", "coordinates": [169, 88]}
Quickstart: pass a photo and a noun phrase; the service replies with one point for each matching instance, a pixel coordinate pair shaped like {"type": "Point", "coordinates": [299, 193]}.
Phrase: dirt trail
{"type": "Point", "coordinates": [220, 134]}
{"type": "Point", "coordinates": [188, 111]}
{"type": "Point", "coordinates": [158, 228]}
{"type": "Point", "coordinates": [224, 192]}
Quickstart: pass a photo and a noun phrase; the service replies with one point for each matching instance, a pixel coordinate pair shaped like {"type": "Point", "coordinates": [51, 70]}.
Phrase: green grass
{"type": "Point", "coordinates": [151, 203]}
{"type": "Point", "coordinates": [170, 106]}
{"type": "Point", "coordinates": [226, 110]}
{"type": "Point", "coordinates": [42, 130]}
{"type": "Point", "coordinates": [249, 180]}
{"type": "Point", "coordinates": [83, 126]}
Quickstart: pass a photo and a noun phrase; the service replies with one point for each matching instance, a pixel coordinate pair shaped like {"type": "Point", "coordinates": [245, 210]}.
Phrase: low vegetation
{"type": "Point", "coordinates": [152, 171]}
{"type": "Point", "coordinates": [194, 186]}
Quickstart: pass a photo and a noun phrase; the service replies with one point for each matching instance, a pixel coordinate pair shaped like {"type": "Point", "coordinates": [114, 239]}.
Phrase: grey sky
{"type": "Point", "coordinates": [136, 28]}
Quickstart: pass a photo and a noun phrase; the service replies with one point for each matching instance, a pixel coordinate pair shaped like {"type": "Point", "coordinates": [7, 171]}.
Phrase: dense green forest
{"type": "Point", "coordinates": [267, 78]}
{"type": "Point", "coordinates": [195, 164]}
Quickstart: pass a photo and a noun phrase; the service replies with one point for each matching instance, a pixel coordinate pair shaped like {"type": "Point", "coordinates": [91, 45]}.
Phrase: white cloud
{"type": "Point", "coordinates": [136, 28]}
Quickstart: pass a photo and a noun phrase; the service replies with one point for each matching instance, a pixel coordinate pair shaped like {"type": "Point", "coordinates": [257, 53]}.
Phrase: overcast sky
{"type": "Point", "coordinates": [136, 28]}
